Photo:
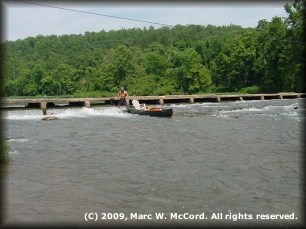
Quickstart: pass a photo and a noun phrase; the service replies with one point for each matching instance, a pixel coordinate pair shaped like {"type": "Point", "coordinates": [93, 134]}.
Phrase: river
{"type": "Point", "coordinates": [229, 163]}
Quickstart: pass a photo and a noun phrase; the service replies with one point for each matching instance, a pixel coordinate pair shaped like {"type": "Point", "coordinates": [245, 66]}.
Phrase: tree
{"type": "Point", "coordinates": [155, 63]}
{"type": "Point", "coordinates": [194, 77]}
{"type": "Point", "coordinates": [64, 79]}
{"type": "Point", "coordinates": [295, 23]}
{"type": "Point", "coordinates": [48, 85]}
{"type": "Point", "coordinates": [239, 65]}
{"type": "Point", "coordinates": [26, 84]}
{"type": "Point", "coordinates": [116, 67]}
{"type": "Point", "coordinates": [180, 59]}
{"type": "Point", "coordinates": [272, 62]}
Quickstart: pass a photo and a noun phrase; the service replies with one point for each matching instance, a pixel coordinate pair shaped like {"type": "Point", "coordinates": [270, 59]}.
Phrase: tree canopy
{"type": "Point", "coordinates": [186, 59]}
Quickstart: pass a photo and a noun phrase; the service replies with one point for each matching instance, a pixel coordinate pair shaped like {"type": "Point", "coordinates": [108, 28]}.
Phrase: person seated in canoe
{"type": "Point", "coordinates": [122, 94]}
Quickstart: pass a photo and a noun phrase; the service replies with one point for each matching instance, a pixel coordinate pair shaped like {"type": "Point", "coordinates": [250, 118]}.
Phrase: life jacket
{"type": "Point", "coordinates": [122, 95]}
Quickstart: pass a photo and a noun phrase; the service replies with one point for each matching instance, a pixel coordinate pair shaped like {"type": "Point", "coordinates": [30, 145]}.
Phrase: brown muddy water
{"type": "Point", "coordinates": [211, 164]}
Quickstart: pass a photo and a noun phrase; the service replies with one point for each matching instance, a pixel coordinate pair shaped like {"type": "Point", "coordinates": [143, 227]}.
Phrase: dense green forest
{"type": "Point", "coordinates": [187, 59]}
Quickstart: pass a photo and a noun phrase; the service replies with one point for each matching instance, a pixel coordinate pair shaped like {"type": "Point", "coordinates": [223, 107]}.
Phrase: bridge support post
{"type": "Point", "coordinates": [241, 98]}
{"type": "Point", "coordinates": [218, 99]}
{"type": "Point", "coordinates": [191, 100]}
{"type": "Point", "coordinates": [161, 101]}
{"type": "Point", "coordinates": [87, 104]}
{"type": "Point", "coordinates": [43, 107]}
{"type": "Point", "coordinates": [262, 97]}
{"type": "Point", "coordinates": [280, 96]}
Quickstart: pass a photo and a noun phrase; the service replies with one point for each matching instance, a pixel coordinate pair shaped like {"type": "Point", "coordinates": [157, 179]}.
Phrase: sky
{"type": "Point", "coordinates": [24, 20]}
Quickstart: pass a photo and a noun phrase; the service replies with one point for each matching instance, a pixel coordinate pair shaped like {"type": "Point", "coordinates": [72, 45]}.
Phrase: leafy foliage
{"type": "Point", "coordinates": [4, 153]}
{"type": "Point", "coordinates": [183, 59]}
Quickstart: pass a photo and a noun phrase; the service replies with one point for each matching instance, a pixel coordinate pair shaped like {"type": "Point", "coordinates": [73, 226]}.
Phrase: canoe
{"type": "Point", "coordinates": [161, 112]}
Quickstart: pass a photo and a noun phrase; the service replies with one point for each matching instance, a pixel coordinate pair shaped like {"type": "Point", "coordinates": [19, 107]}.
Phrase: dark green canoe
{"type": "Point", "coordinates": [161, 112]}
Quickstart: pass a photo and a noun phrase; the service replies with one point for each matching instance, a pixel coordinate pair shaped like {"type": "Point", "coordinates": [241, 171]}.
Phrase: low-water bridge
{"type": "Point", "coordinates": [44, 103]}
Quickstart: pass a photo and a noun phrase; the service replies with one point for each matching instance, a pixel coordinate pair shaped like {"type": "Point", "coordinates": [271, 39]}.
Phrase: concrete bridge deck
{"type": "Point", "coordinates": [43, 103]}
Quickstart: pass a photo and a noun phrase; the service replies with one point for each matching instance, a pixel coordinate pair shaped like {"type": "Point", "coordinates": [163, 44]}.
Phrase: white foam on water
{"type": "Point", "coordinates": [287, 110]}
{"type": "Point", "coordinates": [179, 105]}
{"type": "Point", "coordinates": [18, 140]}
{"type": "Point", "coordinates": [242, 110]}
{"type": "Point", "coordinates": [208, 104]}
{"type": "Point", "coordinates": [115, 112]}
{"type": "Point", "coordinates": [221, 115]}
{"type": "Point", "coordinates": [274, 110]}
{"type": "Point", "coordinates": [291, 115]}
{"type": "Point", "coordinates": [22, 114]}
{"type": "Point", "coordinates": [274, 107]}
{"type": "Point", "coordinates": [66, 113]}
{"type": "Point", "coordinates": [75, 112]}
{"type": "Point", "coordinates": [15, 152]}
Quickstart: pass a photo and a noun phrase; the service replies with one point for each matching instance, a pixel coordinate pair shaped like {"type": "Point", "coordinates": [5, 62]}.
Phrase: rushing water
{"type": "Point", "coordinates": [236, 158]}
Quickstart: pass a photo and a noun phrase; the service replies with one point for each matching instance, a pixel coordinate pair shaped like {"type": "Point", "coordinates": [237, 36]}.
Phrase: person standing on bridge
{"type": "Point", "coordinates": [122, 94]}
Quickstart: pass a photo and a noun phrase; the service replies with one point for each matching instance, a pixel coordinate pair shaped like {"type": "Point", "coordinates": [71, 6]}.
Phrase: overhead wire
{"type": "Point", "coordinates": [104, 15]}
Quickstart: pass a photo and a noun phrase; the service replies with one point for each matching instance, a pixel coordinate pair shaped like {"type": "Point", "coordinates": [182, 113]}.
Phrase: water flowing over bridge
{"type": "Point", "coordinates": [44, 103]}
